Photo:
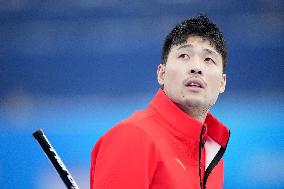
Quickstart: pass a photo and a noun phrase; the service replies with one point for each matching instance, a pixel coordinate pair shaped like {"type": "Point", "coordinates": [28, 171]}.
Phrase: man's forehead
{"type": "Point", "coordinates": [196, 39]}
{"type": "Point", "coordinates": [190, 45]}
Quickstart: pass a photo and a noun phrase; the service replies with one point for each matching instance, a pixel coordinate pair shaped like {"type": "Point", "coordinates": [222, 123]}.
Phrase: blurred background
{"type": "Point", "coordinates": [75, 68]}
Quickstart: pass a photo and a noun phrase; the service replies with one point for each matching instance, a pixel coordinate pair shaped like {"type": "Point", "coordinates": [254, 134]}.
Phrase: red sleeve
{"type": "Point", "coordinates": [125, 157]}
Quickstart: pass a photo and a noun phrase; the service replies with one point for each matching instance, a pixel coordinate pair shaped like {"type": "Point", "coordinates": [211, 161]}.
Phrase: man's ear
{"type": "Point", "coordinates": [223, 83]}
{"type": "Point", "coordinates": [161, 73]}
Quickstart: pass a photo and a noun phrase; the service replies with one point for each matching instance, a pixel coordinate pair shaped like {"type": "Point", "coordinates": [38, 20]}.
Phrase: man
{"type": "Point", "coordinates": [175, 143]}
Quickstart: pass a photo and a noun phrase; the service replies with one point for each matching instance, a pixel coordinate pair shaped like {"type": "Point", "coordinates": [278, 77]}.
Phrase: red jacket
{"type": "Point", "coordinates": [159, 148]}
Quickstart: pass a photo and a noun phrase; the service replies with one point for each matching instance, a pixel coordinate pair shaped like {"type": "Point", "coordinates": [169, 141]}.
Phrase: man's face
{"type": "Point", "coordinates": [193, 74]}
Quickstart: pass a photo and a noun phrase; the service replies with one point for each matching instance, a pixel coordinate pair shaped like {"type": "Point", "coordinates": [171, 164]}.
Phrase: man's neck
{"type": "Point", "coordinates": [198, 113]}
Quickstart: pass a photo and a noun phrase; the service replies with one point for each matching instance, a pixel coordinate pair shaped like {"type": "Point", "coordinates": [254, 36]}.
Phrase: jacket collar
{"type": "Point", "coordinates": [186, 125]}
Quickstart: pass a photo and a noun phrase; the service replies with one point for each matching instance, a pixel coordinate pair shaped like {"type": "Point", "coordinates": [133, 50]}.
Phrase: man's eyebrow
{"type": "Point", "coordinates": [191, 46]}
{"type": "Point", "coordinates": [185, 46]}
{"type": "Point", "coordinates": [210, 51]}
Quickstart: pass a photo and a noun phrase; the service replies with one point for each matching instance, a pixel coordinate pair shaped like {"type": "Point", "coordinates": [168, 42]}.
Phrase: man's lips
{"type": "Point", "coordinates": [195, 82]}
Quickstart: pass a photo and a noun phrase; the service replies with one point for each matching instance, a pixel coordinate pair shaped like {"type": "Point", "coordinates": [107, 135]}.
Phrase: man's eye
{"type": "Point", "coordinates": [183, 56]}
{"type": "Point", "coordinates": [209, 60]}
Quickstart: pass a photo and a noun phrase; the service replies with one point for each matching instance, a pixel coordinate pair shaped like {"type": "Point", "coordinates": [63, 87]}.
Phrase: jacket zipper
{"type": "Point", "coordinates": [213, 163]}
{"type": "Point", "coordinates": [201, 145]}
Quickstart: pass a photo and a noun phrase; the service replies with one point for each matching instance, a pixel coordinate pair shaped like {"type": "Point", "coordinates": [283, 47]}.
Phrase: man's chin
{"type": "Point", "coordinates": [194, 102]}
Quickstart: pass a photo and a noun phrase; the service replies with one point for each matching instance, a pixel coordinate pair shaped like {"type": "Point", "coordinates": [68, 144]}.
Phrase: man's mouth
{"type": "Point", "coordinates": [192, 84]}
{"type": "Point", "coordinates": [195, 83]}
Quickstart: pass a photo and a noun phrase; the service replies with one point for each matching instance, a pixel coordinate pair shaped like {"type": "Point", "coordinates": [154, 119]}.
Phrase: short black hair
{"type": "Point", "coordinates": [196, 26]}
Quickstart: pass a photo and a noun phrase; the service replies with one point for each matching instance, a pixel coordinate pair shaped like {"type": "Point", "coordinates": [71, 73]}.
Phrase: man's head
{"type": "Point", "coordinates": [193, 64]}
{"type": "Point", "coordinates": [197, 26]}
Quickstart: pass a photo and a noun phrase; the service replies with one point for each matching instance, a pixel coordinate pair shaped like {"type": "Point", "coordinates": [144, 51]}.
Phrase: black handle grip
{"type": "Point", "coordinates": [55, 159]}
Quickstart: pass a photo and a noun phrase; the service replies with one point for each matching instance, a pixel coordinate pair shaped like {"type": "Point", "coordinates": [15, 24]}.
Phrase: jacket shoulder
{"type": "Point", "coordinates": [119, 156]}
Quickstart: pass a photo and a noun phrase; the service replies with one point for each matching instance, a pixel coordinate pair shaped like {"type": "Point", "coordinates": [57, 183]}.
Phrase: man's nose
{"type": "Point", "coordinates": [196, 71]}
{"type": "Point", "coordinates": [196, 67]}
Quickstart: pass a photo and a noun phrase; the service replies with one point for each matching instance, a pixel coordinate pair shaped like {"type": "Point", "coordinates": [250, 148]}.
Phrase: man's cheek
{"type": "Point", "coordinates": [174, 74]}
